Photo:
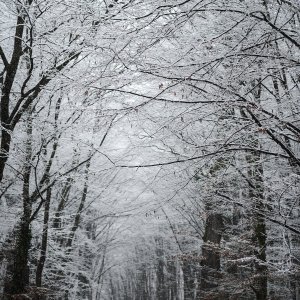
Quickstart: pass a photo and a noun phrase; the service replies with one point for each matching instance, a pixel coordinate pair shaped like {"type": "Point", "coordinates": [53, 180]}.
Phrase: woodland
{"type": "Point", "coordinates": [150, 149]}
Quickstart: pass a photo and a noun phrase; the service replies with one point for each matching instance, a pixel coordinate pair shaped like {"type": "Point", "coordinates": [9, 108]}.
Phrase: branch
{"type": "Point", "coordinates": [241, 98]}
{"type": "Point", "coordinates": [275, 139]}
{"type": "Point", "coordinates": [11, 71]}
{"type": "Point", "coordinates": [31, 94]}
{"type": "Point", "coordinates": [279, 30]}
{"type": "Point", "coordinates": [29, 52]}
{"type": "Point", "coordinates": [39, 193]}
{"type": "Point", "coordinates": [262, 215]}
{"type": "Point", "coordinates": [203, 156]}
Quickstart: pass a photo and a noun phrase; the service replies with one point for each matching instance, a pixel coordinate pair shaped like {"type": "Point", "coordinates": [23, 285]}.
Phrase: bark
{"type": "Point", "coordinates": [42, 259]}
{"type": "Point", "coordinates": [81, 206]}
{"type": "Point", "coordinates": [41, 262]}
{"type": "Point", "coordinates": [211, 256]}
{"type": "Point", "coordinates": [10, 74]}
{"type": "Point", "coordinates": [4, 148]}
{"type": "Point", "coordinates": [256, 195]}
{"type": "Point", "coordinates": [18, 270]}
{"type": "Point", "coordinates": [5, 98]}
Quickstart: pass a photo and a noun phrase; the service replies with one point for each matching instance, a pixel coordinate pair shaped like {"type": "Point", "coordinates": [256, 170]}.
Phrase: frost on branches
{"type": "Point", "coordinates": [150, 149]}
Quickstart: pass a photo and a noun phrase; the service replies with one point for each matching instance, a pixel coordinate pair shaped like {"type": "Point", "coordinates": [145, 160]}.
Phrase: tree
{"type": "Point", "coordinates": [218, 96]}
{"type": "Point", "coordinates": [197, 102]}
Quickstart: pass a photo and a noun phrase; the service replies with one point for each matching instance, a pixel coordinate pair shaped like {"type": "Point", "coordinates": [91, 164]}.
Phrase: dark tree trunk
{"type": "Point", "coordinates": [10, 73]}
{"type": "Point", "coordinates": [17, 273]}
{"type": "Point", "coordinates": [210, 265]}
{"type": "Point", "coordinates": [18, 270]}
{"type": "Point", "coordinates": [257, 207]}
{"type": "Point", "coordinates": [81, 206]}
{"type": "Point", "coordinates": [4, 150]}
{"type": "Point", "coordinates": [256, 194]}
{"type": "Point", "coordinates": [41, 262]}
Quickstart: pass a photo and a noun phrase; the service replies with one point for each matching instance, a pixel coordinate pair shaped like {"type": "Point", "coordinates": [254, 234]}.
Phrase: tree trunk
{"type": "Point", "coordinates": [81, 206]}
{"type": "Point", "coordinates": [211, 256]}
{"type": "Point", "coordinates": [10, 74]}
{"type": "Point", "coordinates": [256, 194]}
{"type": "Point", "coordinates": [41, 262]}
{"type": "Point", "coordinates": [4, 150]}
{"type": "Point", "coordinates": [256, 197]}
{"type": "Point", "coordinates": [18, 271]}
